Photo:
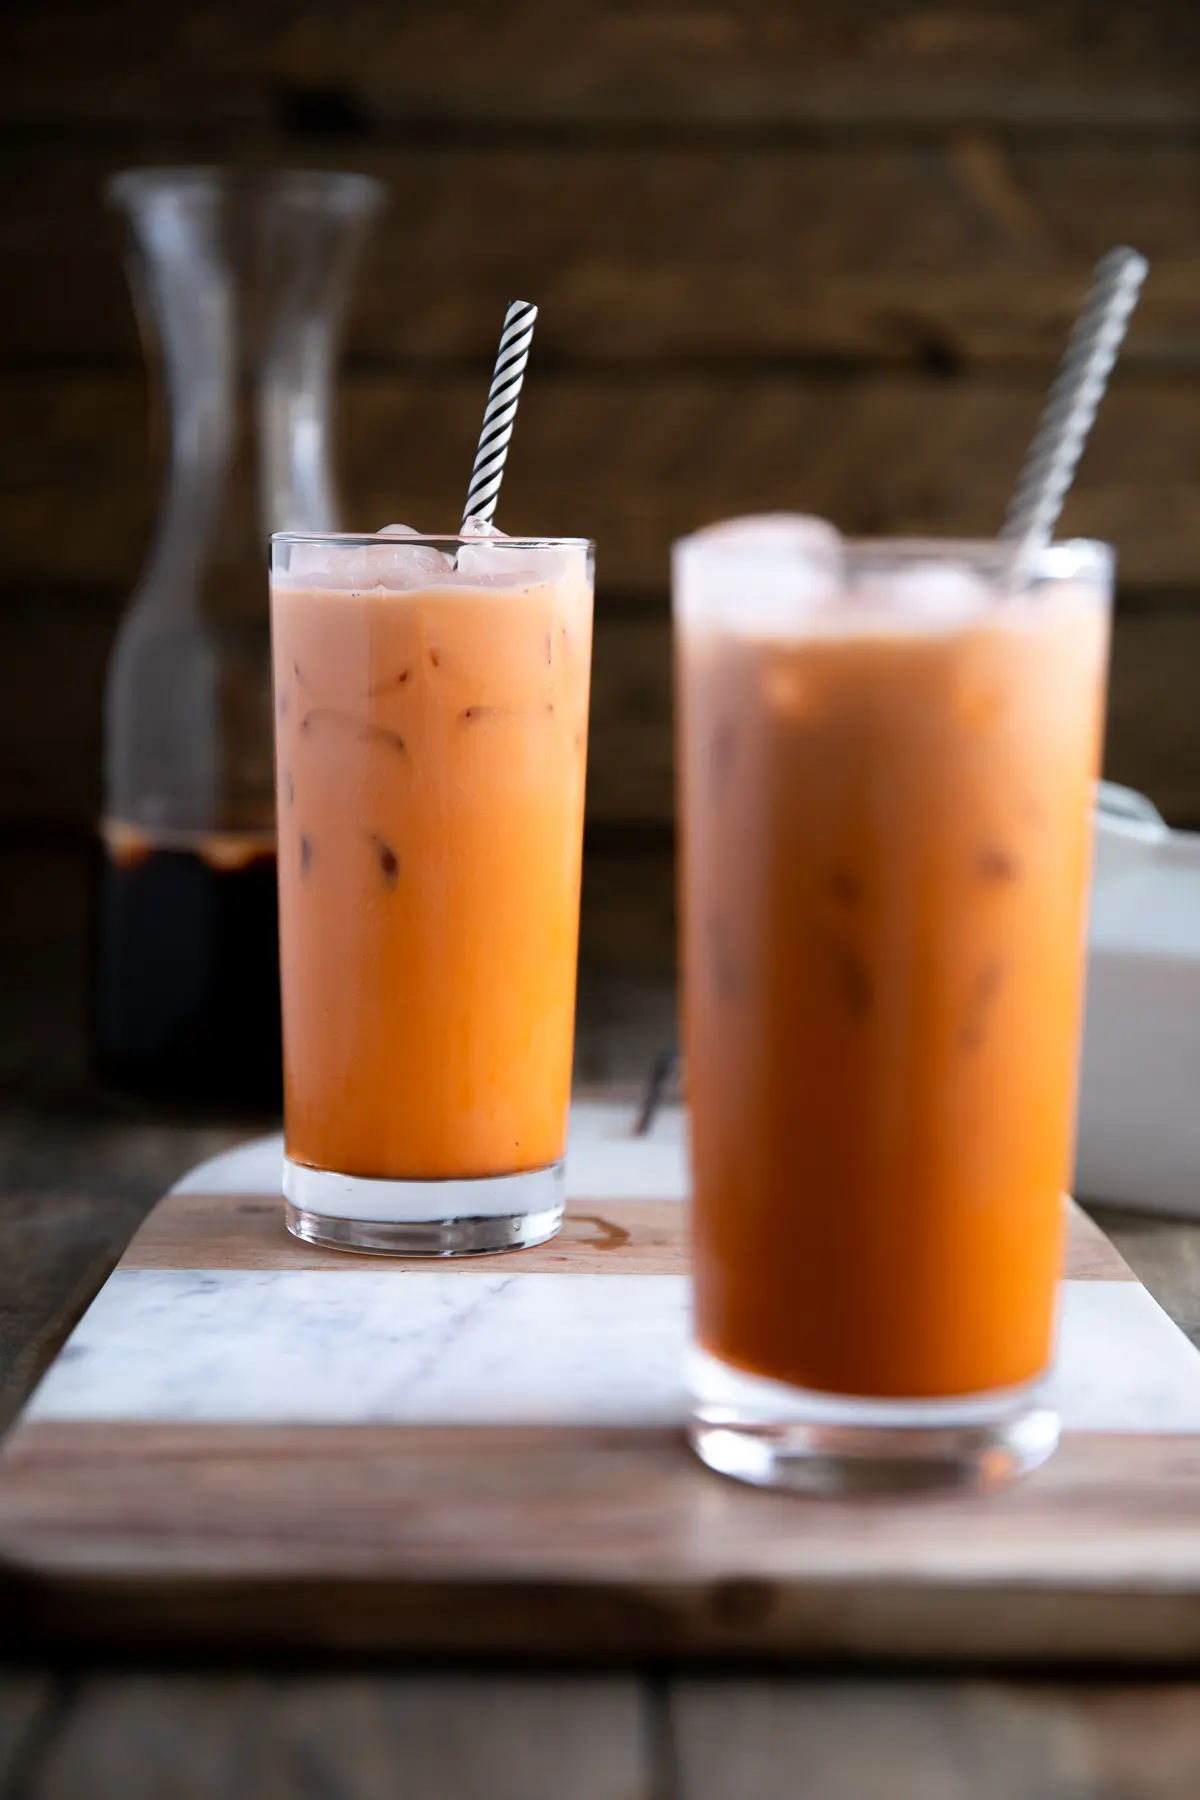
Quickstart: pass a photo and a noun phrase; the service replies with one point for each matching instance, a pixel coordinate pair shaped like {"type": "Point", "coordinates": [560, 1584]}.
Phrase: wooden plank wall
{"type": "Point", "coordinates": [819, 256]}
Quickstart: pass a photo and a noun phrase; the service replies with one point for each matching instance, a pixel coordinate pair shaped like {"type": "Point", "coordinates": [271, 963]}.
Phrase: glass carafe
{"type": "Point", "coordinates": [240, 281]}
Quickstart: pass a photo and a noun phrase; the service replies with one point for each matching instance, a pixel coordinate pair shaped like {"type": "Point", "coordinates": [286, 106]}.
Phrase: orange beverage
{"type": "Point", "coordinates": [431, 748]}
{"type": "Point", "coordinates": [887, 773]}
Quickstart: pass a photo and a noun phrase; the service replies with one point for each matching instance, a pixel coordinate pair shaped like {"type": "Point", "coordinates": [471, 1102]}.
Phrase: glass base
{"type": "Point", "coordinates": [772, 1435]}
{"type": "Point", "coordinates": [423, 1218]}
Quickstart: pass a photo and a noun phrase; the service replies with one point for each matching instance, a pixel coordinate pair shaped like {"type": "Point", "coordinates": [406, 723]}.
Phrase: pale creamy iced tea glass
{"type": "Point", "coordinates": [431, 701]}
{"type": "Point", "coordinates": [887, 757]}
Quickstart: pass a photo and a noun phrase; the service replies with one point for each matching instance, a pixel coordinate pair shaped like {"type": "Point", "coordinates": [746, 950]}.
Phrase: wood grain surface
{"type": "Point", "coordinates": [906, 1740]}
{"type": "Point", "coordinates": [596, 1542]}
{"type": "Point", "coordinates": [938, 252]}
{"type": "Point", "coordinates": [275, 1735]}
{"type": "Point", "coordinates": [601, 1237]}
{"type": "Point", "coordinates": [598, 1237]}
{"type": "Point", "coordinates": [635, 458]}
{"type": "Point", "coordinates": [248, 1737]}
{"type": "Point", "coordinates": [759, 63]}
{"type": "Point", "coordinates": [217, 1735]}
{"type": "Point", "coordinates": [554, 1540]}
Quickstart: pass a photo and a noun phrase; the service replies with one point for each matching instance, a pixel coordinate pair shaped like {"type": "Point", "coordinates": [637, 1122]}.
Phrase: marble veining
{"type": "Point", "coordinates": [321, 1346]}
{"type": "Point", "coordinates": [1123, 1364]}
{"type": "Point", "coordinates": [496, 1348]}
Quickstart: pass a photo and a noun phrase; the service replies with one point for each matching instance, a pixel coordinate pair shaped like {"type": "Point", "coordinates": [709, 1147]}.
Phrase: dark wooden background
{"type": "Point", "coordinates": [819, 255]}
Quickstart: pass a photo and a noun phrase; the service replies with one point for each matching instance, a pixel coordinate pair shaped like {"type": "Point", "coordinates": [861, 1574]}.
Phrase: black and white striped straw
{"type": "Point", "coordinates": [497, 429]}
{"type": "Point", "coordinates": [1062, 430]}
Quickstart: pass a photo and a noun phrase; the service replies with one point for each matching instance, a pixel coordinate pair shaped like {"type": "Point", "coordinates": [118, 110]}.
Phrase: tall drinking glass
{"type": "Point", "coordinates": [887, 756]}
{"type": "Point", "coordinates": [431, 699]}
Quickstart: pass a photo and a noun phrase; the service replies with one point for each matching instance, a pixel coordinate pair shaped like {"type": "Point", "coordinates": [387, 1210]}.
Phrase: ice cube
{"type": "Point", "coordinates": [481, 562]}
{"type": "Point", "coordinates": [924, 595]}
{"type": "Point", "coordinates": [764, 573]}
{"type": "Point", "coordinates": [359, 567]}
{"type": "Point", "coordinates": [313, 564]}
{"type": "Point", "coordinates": [414, 567]}
{"type": "Point", "coordinates": [404, 565]}
{"type": "Point", "coordinates": [495, 561]}
{"type": "Point", "coordinates": [799, 532]}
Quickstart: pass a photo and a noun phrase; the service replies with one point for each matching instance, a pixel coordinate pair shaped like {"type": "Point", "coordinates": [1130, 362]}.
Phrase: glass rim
{"type": "Point", "coordinates": [1001, 549]}
{"type": "Point", "coordinates": [1060, 558]}
{"type": "Point", "coordinates": [351, 540]}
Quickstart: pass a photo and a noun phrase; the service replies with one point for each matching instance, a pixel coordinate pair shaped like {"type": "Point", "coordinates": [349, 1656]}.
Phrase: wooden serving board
{"type": "Point", "coordinates": [250, 1441]}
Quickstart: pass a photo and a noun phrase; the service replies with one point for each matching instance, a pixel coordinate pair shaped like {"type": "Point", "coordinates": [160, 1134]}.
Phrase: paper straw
{"type": "Point", "coordinates": [497, 429]}
{"type": "Point", "coordinates": [1071, 404]}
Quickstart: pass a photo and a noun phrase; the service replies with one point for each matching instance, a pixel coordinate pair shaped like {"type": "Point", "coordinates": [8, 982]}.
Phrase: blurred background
{"type": "Point", "coordinates": [815, 256]}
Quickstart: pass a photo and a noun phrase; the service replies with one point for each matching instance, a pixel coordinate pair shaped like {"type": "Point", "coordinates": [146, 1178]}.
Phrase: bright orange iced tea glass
{"type": "Point", "coordinates": [431, 704]}
{"type": "Point", "coordinates": [887, 759]}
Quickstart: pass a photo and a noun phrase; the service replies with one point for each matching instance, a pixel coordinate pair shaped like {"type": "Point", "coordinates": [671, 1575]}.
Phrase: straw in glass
{"type": "Point", "coordinates": [1062, 430]}
{"type": "Point", "coordinates": [497, 429]}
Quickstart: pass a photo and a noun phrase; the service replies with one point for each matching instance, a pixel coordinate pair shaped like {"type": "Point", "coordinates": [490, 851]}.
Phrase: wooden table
{"type": "Point", "coordinates": [75, 1179]}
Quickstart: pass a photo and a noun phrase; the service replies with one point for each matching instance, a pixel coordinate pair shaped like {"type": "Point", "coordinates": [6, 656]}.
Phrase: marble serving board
{"type": "Point", "coordinates": [250, 1440]}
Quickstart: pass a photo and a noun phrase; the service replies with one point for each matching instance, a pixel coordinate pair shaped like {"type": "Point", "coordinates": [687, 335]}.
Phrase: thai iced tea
{"type": "Point", "coordinates": [887, 767]}
{"type": "Point", "coordinates": [431, 746]}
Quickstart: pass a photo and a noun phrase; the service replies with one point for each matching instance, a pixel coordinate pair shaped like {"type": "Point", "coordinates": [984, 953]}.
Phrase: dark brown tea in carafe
{"type": "Point", "coordinates": [187, 995]}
